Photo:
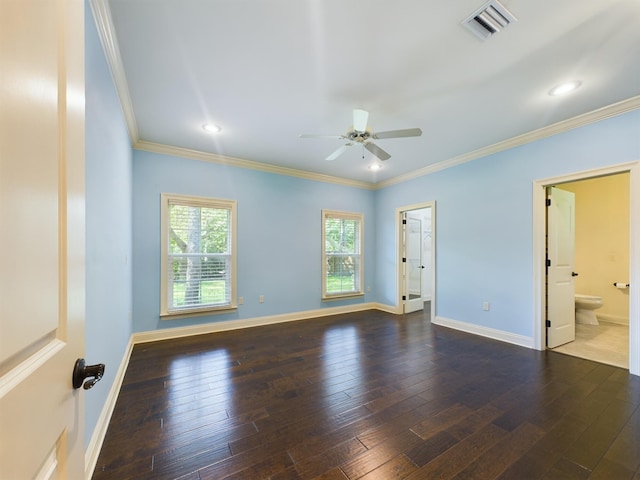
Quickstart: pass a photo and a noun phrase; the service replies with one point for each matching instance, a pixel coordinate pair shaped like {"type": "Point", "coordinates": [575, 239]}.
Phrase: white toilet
{"type": "Point", "coordinates": [585, 306]}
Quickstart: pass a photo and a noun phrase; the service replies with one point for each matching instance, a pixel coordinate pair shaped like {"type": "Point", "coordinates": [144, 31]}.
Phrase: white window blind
{"type": "Point", "coordinates": [199, 257]}
{"type": "Point", "coordinates": [342, 241]}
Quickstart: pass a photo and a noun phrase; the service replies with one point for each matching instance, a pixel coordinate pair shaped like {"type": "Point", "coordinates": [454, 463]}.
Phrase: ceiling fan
{"type": "Point", "coordinates": [360, 134]}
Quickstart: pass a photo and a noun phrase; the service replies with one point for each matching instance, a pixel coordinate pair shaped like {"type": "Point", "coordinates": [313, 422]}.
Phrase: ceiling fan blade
{"type": "Point", "coordinates": [310, 135]}
{"type": "Point", "coordinates": [360, 119]}
{"type": "Point", "coordinates": [377, 151]}
{"type": "Point", "coordinates": [338, 152]}
{"type": "Point", "coordinates": [409, 132]}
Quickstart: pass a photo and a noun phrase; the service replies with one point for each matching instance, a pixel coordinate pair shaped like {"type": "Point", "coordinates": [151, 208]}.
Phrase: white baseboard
{"type": "Point", "coordinates": [100, 430]}
{"type": "Point", "coordinates": [168, 333]}
{"type": "Point", "coordinates": [500, 335]}
{"type": "Point", "coordinates": [618, 319]}
{"type": "Point", "coordinates": [393, 309]}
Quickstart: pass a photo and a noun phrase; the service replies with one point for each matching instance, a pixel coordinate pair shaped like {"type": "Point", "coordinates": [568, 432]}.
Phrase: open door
{"type": "Point", "coordinates": [413, 264]}
{"type": "Point", "coordinates": [416, 251]}
{"type": "Point", "coordinates": [561, 321]}
{"type": "Point", "coordinates": [42, 244]}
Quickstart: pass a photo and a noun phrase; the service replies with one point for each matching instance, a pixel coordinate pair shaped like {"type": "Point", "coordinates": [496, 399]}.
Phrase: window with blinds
{"type": "Point", "coordinates": [198, 257]}
{"type": "Point", "coordinates": [342, 267]}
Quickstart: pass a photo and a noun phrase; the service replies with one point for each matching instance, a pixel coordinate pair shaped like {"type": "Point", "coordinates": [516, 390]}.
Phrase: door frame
{"type": "Point", "coordinates": [539, 244]}
{"type": "Point", "coordinates": [399, 282]}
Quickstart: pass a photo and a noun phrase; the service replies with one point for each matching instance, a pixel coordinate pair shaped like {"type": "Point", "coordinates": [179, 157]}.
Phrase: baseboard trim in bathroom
{"type": "Point", "coordinates": [618, 319]}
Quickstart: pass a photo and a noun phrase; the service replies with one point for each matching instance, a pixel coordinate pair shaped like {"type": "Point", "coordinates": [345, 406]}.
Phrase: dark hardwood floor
{"type": "Point", "coordinates": [368, 395]}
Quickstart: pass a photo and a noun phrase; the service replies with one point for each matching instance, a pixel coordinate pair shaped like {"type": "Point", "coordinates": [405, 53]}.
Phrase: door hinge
{"type": "Point", "coordinates": [404, 260]}
{"type": "Point", "coordinates": [548, 323]}
{"type": "Point", "coordinates": [404, 221]}
{"type": "Point", "coordinates": [404, 298]}
{"type": "Point", "coordinates": [548, 262]}
{"type": "Point", "coordinates": [548, 202]}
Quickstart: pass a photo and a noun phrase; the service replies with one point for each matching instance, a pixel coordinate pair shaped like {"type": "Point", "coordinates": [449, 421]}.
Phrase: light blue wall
{"type": "Point", "coordinates": [484, 224]}
{"type": "Point", "coordinates": [483, 228]}
{"type": "Point", "coordinates": [108, 225]}
{"type": "Point", "coordinates": [279, 230]}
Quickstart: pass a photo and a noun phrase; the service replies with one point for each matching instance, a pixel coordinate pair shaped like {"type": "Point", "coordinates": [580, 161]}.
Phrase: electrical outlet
{"type": "Point", "coordinates": [240, 300]}
{"type": "Point", "coordinates": [485, 306]}
{"type": "Point", "coordinates": [261, 298]}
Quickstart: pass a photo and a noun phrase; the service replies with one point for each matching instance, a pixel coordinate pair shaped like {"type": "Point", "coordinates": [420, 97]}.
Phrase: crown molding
{"type": "Point", "coordinates": [594, 116]}
{"type": "Point", "coordinates": [240, 163]}
{"type": "Point", "coordinates": [597, 115]}
{"type": "Point", "coordinates": [109, 41]}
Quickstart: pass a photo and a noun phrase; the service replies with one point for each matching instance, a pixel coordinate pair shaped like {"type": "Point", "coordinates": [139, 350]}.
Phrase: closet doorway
{"type": "Point", "coordinates": [416, 257]}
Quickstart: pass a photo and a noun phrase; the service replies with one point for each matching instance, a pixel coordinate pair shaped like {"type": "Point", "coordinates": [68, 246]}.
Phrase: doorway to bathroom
{"type": "Point", "coordinates": [599, 266]}
{"type": "Point", "coordinates": [416, 257]}
{"type": "Point", "coordinates": [585, 235]}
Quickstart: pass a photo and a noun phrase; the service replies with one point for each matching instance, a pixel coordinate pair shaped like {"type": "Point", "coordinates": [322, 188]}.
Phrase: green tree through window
{"type": "Point", "coordinates": [200, 261]}
{"type": "Point", "coordinates": [342, 254]}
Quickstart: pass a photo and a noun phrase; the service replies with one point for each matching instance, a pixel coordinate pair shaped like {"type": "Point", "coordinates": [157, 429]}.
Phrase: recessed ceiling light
{"type": "Point", "coordinates": [211, 128]}
{"type": "Point", "coordinates": [375, 166]}
{"type": "Point", "coordinates": [564, 88]}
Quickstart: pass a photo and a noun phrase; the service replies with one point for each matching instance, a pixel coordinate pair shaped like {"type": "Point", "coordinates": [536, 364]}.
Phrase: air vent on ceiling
{"type": "Point", "coordinates": [490, 19]}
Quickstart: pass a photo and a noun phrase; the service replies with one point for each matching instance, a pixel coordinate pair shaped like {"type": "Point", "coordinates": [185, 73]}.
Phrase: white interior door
{"type": "Point", "coordinates": [42, 244]}
{"type": "Point", "coordinates": [560, 265]}
{"type": "Point", "coordinates": [411, 252]}
{"type": "Point", "coordinates": [413, 265]}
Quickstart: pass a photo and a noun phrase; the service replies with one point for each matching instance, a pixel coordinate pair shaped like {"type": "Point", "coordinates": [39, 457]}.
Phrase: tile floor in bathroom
{"type": "Point", "coordinates": [605, 343]}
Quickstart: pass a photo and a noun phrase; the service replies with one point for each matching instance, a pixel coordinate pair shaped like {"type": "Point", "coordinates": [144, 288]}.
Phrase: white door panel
{"type": "Point", "coordinates": [560, 280]}
{"type": "Point", "coordinates": [42, 245]}
{"type": "Point", "coordinates": [413, 255]}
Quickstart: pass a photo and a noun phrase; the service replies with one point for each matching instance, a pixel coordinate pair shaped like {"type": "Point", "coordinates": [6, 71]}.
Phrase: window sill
{"type": "Point", "coordinates": [342, 296]}
{"type": "Point", "coordinates": [197, 313]}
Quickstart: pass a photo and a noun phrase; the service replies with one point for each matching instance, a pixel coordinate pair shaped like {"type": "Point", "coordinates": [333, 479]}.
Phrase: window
{"type": "Point", "coordinates": [198, 255]}
{"type": "Point", "coordinates": [342, 241]}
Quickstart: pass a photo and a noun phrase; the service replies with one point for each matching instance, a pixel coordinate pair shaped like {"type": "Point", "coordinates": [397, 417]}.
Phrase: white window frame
{"type": "Point", "coordinates": [359, 274]}
{"type": "Point", "coordinates": [166, 283]}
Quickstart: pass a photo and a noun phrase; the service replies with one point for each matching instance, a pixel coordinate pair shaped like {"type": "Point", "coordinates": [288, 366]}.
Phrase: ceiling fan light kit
{"type": "Point", "coordinates": [359, 133]}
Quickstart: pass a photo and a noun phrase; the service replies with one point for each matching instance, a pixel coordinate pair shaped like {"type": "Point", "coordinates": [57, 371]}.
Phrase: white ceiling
{"type": "Point", "coordinates": [267, 71]}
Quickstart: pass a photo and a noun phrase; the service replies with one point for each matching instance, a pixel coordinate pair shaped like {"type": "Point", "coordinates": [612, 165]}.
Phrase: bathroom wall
{"type": "Point", "coordinates": [602, 242]}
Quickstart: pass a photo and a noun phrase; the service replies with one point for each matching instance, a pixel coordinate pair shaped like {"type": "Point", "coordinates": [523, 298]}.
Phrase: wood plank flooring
{"type": "Point", "coordinates": [368, 395]}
